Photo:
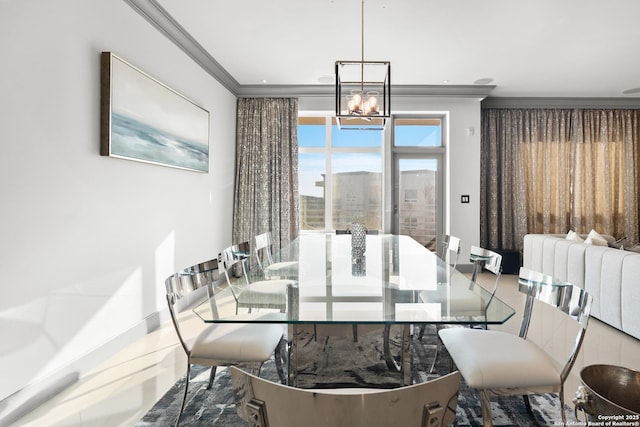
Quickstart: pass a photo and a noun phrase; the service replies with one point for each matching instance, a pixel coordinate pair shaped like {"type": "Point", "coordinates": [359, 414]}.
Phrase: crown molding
{"type": "Point", "coordinates": [456, 91]}
{"type": "Point", "coordinates": [533, 102]}
{"type": "Point", "coordinates": [155, 14]}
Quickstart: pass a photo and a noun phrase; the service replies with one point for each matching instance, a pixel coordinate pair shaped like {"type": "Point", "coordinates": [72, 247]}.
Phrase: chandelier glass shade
{"type": "Point", "coordinates": [363, 92]}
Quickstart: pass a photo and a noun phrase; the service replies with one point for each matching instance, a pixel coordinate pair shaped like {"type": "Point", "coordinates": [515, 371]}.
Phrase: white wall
{"type": "Point", "coordinates": [462, 162]}
{"type": "Point", "coordinates": [86, 241]}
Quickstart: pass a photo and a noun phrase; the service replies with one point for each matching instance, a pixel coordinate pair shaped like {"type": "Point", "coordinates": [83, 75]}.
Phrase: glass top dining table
{"type": "Point", "coordinates": [395, 281]}
{"type": "Point", "coordinates": [326, 280]}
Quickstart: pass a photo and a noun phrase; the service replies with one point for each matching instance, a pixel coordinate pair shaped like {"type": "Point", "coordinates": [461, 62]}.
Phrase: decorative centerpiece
{"type": "Point", "coordinates": [358, 248]}
{"type": "Point", "coordinates": [358, 238]}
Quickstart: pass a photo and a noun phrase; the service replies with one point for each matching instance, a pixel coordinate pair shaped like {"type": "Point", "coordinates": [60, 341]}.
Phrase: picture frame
{"type": "Point", "coordinates": [145, 120]}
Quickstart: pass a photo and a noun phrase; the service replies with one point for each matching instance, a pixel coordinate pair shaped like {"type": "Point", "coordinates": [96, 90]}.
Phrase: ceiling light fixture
{"type": "Point", "coordinates": [363, 91]}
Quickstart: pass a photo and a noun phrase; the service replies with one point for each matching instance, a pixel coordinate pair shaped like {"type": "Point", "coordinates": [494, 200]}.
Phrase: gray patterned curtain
{"type": "Point", "coordinates": [266, 184]}
{"type": "Point", "coordinates": [555, 170]}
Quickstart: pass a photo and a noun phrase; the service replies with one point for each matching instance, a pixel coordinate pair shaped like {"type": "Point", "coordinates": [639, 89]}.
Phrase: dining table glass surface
{"type": "Point", "coordinates": [335, 282]}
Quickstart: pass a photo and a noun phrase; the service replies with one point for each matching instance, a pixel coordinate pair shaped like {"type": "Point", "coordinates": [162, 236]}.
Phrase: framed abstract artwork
{"type": "Point", "coordinates": [144, 120]}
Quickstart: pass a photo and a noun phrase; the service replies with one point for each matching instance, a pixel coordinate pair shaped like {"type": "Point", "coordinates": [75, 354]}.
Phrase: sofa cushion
{"type": "Point", "coordinates": [576, 264]}
{"type": "Point", "coordinates": [569, 262]}
{"type": "Point", "coordinates": [592, 275]}
{"type": "Point", "coordinates": [630, 295]}
{"type": "Point", "coordinates": [610, 287]}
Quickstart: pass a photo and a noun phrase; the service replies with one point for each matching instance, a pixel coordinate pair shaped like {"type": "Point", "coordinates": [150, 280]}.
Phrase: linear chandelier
{"type": "Point", "coordinates": [363, 91]}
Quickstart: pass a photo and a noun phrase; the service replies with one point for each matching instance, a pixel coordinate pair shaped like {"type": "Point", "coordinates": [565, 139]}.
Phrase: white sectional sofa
{"type": "Point", "coordinates": [611, 275]}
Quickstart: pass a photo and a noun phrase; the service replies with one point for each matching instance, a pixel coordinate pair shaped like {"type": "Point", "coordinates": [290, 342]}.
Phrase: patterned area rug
{"type": "Point", "coordinates": [326, 361]}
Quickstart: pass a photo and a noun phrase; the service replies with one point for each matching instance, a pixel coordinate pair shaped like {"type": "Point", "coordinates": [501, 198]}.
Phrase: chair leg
{"type": "Point", "coordinates": [487, 417]}
{"type": "Point", "coordinates": [279, 356]}
{"type": "Point", "coordinates": [212, 375]}
{"type": "Point", "coordinates": [435, 359]}
{"type": "Point", "coordinates": [186, 389]}
{"type": "Point", "coordinates": [422, 329]}
{"type": "Point", "coordinates": [391, 363]}
{"type": "Point", "coordinates": [255, 369]}
{"type": "Point", "coordinates": [527, 404]}
{"type": "Point", "coordinates": [564, 415]}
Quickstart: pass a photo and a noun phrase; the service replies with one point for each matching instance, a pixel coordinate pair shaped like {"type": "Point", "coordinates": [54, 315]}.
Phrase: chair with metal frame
{"type": "Point", "coordinates": [498, 363]}
{"type": "Point", "coordinates": [264, 257]}
{"type": "Point", "coordinates": [450, 246]}
{"type": "Point", "coordinates": [262, 293]}
{"type": "Point", "coordinates": [263, 403]}
{"type": "Point", "coordinates": [483, 259]}
{"type": "Point", "coordinates": [217, 344]}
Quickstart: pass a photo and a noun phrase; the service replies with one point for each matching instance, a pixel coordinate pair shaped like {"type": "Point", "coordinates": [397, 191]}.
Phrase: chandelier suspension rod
{"type": "Point", "coordinates": [362, 47]}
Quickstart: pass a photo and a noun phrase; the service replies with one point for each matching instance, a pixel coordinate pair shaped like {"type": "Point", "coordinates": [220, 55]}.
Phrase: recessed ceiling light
{"type": "Point", "coordinates": [483, 81]}
{"type": "Point", "coordinates": [264, 80]}
{"type": "Point", "coordinates": [326, 79]}
{"type": "Point", "coordinates": [445, 81]}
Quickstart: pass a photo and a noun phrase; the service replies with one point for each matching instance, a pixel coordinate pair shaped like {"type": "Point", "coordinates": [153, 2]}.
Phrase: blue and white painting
{"type": "Point", "coordinates": [152, 123]}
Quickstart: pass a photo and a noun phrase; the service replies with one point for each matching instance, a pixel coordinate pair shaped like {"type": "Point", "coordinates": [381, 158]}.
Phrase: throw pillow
{"type": "Point", "coordinates": [594, 238]}
{"type": "Point", "coordinates": [572, 235]}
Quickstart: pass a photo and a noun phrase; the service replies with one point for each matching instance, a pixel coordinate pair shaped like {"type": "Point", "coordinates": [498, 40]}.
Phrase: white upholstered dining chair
{"type": "Point", "coordinates": [484, 259]}
{"type": "Point", "coordinates": [217, 344]}
{"type": "Point", "coordinates": [264, 257]}
{"type": "Point", "coordinates": [267, 404]}
{"type": "Point", "coordinates": [498, 363]}
{"type": "Point", "coordinates": [252, 294]}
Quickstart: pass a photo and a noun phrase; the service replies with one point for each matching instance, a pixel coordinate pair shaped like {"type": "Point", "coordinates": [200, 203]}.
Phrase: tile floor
{"type": "Point", "coordinates": [121, 390]}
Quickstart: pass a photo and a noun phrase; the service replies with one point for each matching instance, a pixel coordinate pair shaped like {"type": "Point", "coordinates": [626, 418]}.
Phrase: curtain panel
{"type": "Point", "coordinates": [266, 182]}
{"type": "Point", "coordinates": [555, 170]}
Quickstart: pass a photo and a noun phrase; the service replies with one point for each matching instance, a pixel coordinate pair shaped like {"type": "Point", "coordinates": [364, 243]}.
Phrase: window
{"type": "Point", "coordinates": [418, 132]}
{"type": "Point", "coordinates": [409, 223]}
{"type": "Point", "coordinates": [340, 175]}
{"type": "Point", "coordinates": [410, 195]}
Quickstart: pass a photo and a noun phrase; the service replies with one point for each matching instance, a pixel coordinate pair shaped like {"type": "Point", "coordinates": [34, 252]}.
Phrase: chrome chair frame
{"type": "Point", "coordinates": [483, 259]}
{"type": "Point", "coordinates": [184, 291]}
{"type": "Point", "coordinates": [233, 257]}
{"type": "Point", "coordinates": [264, 258]}
{"type": "Point", "coordinates": [450, 245]}
{"type": "Point", "coordinates": [571, 300]}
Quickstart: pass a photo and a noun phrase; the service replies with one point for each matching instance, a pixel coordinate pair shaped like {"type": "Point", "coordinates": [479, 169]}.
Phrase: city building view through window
{"type": "Point", "coordinates": [341, 176]}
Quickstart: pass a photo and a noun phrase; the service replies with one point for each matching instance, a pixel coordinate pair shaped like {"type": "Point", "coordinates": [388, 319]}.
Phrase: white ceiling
{"type": "Point", "coordinates": [526, 48]}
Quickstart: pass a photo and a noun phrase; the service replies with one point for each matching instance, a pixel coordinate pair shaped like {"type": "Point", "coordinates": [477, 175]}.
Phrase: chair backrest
{"type": "Point", "coordinates": [187, 289]}
{"type": "Point", "coordinates": [267, 403]}
{"type": "Point", "coordinates": [487, 260]}
{"type": "Point", "coordinates": [569, 299]}
{"type": "Point", "coordinates": [232, 258]}
{"type": "Point", "coordinates": [451, 245]}
{"type": "Point", "coordinates": [263, 245]}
